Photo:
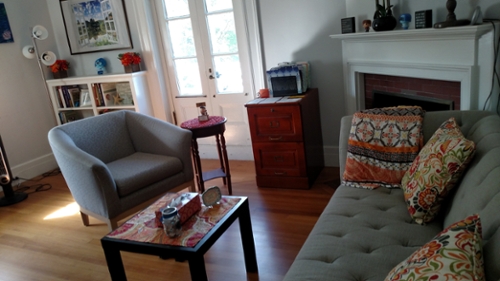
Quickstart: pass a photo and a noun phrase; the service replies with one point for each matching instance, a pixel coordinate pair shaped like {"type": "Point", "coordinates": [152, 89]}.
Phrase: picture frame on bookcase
{"type": "Point", "coordinates": [85, 19]}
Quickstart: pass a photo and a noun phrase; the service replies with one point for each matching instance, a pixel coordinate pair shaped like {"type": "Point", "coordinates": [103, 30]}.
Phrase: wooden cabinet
{"type": "Point", "coordinates": [286, 140]}
{"type": "Point", "coordinates": [81, 97]}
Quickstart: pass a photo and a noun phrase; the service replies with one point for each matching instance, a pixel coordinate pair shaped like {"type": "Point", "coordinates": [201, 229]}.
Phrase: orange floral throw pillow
{"type": "Point", "coordinates": [454, 254]}
{"type": "Point", "coordinates": [383, 142]}
{"type": "Point", "coordinates": [435, 171]}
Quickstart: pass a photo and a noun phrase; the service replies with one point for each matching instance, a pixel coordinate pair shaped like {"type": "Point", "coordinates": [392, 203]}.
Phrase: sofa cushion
{"type": "Point", "coordinates": [142, 169]}
{"type": "Point", "coordinates": [361, 235]}
{"type": "Point", "coordinates": [435, 171]}
{"type": "Point", "coordinates": [383, 142]}
{"type": "Point", "coordinates": [454, 254]}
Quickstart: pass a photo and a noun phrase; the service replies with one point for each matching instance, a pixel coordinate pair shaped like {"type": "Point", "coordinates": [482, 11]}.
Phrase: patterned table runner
{"type": "Point", "coordinates": [142, 228]}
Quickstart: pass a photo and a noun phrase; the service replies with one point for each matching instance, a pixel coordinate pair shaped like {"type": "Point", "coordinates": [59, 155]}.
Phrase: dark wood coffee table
{"type": "Point", "coordinates": [194, 255]}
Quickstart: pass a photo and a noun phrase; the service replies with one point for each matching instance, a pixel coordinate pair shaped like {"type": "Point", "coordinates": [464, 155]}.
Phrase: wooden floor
{"type": "Point", "coordinates": [33, 247]}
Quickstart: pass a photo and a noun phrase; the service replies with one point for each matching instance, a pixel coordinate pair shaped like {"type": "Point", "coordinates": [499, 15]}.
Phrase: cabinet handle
{"type": "Point", "coordinates": [272, 109]}
{"type": "Point", "coordinates": [275, 139]}
{"type": "Point", "coordinates": [280, 173]}
{"type": "Point", "coordinates": [279, 159]}
{"type": "Point", "coordinates": [274, 124]}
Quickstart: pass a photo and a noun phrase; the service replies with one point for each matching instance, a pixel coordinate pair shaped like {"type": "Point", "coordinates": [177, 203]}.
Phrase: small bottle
{"type": "Point", "coordinates": [171, 222]}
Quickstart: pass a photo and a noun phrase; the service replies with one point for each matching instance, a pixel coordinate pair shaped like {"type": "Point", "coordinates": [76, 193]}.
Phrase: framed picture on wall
{"type": "Point", "coordinates": [95, 25]}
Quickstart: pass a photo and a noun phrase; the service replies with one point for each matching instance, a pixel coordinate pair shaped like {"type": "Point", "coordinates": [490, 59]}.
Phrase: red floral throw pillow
{"type": "Point", "coordinates": [454, 254]}
{"type": "Point", "coordinates": [435, 171]}
{"type": "Point", "coordinates": [382, 145]}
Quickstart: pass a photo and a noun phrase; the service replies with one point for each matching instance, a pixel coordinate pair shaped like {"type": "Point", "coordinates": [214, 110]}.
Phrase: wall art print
{"type": "Point", "coordinates": [95, 25]}
{"type": "Point", "coordinates": [5, 32]}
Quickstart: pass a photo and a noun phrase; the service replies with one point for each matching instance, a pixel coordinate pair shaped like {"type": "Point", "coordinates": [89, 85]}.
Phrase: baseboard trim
{"type": "Point", "coordinates": [245, 153]}
{"type": "Point", "coordinates": [331, 155]}
{"type": "Point", "coordinates": [35, 167]}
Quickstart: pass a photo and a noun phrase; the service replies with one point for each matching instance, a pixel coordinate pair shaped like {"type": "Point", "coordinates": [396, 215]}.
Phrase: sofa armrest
{"type": "Point", "coordinates": [345, 128]}
{"type": "Point", "coordinates": [88, 178]}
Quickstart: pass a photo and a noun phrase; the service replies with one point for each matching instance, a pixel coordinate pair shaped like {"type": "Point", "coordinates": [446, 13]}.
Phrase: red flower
{"type": "Point", "coordinates": [129, 58]}
{"type": "Point", "coordinates": [59, 65]}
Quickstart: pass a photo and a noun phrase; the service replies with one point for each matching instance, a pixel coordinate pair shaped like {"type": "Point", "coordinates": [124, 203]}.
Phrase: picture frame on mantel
{"type": "Point", "coordinates": [95, 25]}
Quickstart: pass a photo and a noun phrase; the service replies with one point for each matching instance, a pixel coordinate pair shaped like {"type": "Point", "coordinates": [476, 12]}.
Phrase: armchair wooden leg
{"type": "Point", "coordinates": [85, 219]}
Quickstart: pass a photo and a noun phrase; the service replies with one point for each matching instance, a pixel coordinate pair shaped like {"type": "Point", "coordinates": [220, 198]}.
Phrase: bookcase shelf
{"type": "Point", "coordinates": [81, 97]}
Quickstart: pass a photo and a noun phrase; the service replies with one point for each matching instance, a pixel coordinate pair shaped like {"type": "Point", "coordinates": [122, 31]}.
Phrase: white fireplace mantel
{"type": "Point", "coordinates": [460, 54]}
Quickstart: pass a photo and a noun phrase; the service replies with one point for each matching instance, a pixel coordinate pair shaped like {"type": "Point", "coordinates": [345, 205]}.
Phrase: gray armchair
{"type": "Point", "coordinates": [118, 163]}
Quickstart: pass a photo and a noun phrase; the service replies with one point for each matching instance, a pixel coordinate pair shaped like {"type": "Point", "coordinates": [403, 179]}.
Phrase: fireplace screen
{"type": "Point", "coordinates": [386, 99]}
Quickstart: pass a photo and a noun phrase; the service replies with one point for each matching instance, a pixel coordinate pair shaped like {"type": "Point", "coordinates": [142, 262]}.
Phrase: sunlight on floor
{"type": "Point", "coordinates": [69, 210]}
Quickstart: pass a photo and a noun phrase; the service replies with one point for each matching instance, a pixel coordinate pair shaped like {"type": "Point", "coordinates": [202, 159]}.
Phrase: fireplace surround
{"type": "Point", "coordinates": [457, 54]}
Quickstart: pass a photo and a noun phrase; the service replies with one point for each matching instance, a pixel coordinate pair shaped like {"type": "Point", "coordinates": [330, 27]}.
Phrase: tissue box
{"type": "Point", "coordinates": [187, 205]}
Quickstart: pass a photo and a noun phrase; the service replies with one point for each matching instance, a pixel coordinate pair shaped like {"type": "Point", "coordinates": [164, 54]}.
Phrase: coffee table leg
{"type": "Point", "coordinates": [197, 268]}
{"type": "Point", "coordinates": [114, 261]}
{"type": "Point", "coordinates": [247, 238]}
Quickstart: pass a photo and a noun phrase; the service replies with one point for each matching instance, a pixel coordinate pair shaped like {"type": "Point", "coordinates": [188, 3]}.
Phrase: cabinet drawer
{"type": "Point", "coordinates": [280, 159]}
{"type": "Point", "coordinates": [275, 123]}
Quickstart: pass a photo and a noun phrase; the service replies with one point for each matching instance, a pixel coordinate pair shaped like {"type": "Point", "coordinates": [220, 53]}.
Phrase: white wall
{"type": "Point", "coordinates": [297, 30]}
{"type": "Point", "coordinates": [25, 113]}
{"type": "Point", "coordinates": [364, 9]}
{"type": "Point", "coordinates": [292, 30]}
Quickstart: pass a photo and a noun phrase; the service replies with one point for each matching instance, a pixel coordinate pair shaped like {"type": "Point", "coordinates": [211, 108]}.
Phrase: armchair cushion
{"type": "Point", "coordinates": [139, 170]}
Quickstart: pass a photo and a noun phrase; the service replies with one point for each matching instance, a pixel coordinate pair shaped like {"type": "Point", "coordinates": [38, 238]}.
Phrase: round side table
{"type": "Point", "coordinates": [215, 126]}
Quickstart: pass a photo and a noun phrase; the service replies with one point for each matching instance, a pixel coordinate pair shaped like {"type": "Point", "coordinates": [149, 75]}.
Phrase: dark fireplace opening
{"type": "Point", "coordinates": [386, 99]}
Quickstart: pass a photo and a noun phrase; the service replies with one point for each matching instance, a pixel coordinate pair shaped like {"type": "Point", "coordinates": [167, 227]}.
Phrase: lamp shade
{"type": "Point", "coordinates": [48, 58]}
{"type": "Point", "coordinates": [29, 52]}
{"type": "Point", "coordinates": [39, 32]}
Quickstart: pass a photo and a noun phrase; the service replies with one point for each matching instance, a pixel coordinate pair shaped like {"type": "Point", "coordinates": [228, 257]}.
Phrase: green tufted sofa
{"type": "Point", "coordinates": [362, 234]}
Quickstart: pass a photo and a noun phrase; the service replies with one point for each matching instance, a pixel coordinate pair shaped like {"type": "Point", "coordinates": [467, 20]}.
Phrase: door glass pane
{"type": "Point", "coordinates": [222, 33]}
{"type": "Point", "coordinates": [188, 78]}
{"type": "Point", "coordinates": [228, 71]}
{"type": "Point", "coordinates": [217, 5]}
{"type": "Point", "coordinates": [181, 38]}
{"type": "Point", "coordinates": [176, 8]}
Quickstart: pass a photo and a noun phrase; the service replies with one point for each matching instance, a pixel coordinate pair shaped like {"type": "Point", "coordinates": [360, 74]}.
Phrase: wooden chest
{"type": "Point", "coordinates": [287, 140]}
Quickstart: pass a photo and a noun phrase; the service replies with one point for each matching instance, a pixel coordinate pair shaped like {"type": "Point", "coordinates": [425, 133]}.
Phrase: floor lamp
{"type": "Point", "coordinates": [47, 58]}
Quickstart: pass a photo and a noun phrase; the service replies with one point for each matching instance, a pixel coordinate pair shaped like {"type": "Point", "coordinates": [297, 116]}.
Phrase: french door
{"type": "Point", "coordinates": [207, 55]}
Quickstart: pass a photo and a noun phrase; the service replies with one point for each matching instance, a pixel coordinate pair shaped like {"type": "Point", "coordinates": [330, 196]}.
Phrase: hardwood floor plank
{"type": "Point", "coordinates": [33, 247]}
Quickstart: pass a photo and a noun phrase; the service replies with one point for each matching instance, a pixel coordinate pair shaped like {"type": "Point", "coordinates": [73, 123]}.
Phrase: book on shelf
{"type": "Point", "coordinates": [69, 116]}
{"type": "Point", "coordinates": [59, 97]}
{"type": "Point", "coordinates": [95, 92]}
{"type": "Point", "coordinates": [65, 96]}
{"type": "Point", "coordinates": [74, 95]}
{"type": "Point", "coordinates": [125, 93]}
{"type": "Point", "coordinates": [85, 99]}
{"type": "Point", "coordinates": [109, 93]}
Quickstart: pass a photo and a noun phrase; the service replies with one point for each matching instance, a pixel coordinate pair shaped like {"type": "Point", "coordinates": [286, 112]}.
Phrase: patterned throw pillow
{"type": "Point", "coordinates": [383, 142]}
{"type": "Point", "coordinates": [437, 168]}
{"type": "Point", "coordinates": [454, 254]}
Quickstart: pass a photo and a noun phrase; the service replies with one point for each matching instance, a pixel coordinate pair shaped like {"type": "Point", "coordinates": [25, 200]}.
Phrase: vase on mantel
{"type": "Point", "coordinates": [132, 68]}
{"type": "Point", "coordinates": [60, 74]}
{"type": "Point", "coordinates": [383, 20]}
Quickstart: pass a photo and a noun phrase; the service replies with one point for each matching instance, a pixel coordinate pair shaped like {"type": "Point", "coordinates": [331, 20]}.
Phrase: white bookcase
{"type": "Point", "coordinates": [82, 97]}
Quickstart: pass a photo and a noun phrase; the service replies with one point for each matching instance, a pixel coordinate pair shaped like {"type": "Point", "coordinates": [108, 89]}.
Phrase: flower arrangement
{"type": "Point", "coordinates": [59, 65]}
{"type": "Point", "coordinates": [129, 58]}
